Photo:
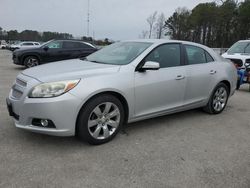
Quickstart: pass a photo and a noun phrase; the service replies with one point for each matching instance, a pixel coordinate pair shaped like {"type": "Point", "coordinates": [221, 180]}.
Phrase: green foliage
{"type": "Point", "coordinates": [211, 24]}
{"type": "Point", "coordinates": [178, 25]}
{"type": "Point", "coordinates": [30, 35]}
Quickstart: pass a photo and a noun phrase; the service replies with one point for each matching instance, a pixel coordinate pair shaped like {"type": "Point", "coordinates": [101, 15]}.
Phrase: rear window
{"type": "Point", "coordinates": [197, 55]}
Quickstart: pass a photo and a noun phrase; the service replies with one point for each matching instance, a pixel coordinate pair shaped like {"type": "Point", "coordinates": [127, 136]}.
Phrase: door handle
{"type": "Point", "coordinates": [212, 72]}
{"type": "Point", "coordinates": [180, 77]}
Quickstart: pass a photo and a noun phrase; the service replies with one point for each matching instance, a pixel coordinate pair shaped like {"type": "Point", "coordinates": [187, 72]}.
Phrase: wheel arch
{"type": "Point", "coordinates": [228, 84]}
{"type": "Point", "coordinates": [24, 56]}
{"type": "Point", "coordinates": [116, 94]}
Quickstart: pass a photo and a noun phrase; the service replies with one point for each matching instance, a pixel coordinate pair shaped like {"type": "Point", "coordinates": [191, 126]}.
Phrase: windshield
{"type": "Point", "coordinates": [120, 53]}
{"type": "Point", "coordinates": [240, 47]}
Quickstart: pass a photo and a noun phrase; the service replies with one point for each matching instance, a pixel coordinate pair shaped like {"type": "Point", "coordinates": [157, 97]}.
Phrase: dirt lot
{"type": "Point", "coordinates": [190, 149]}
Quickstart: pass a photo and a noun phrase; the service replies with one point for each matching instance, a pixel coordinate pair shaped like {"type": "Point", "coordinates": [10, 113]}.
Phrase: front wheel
{"type": "Point", "coordinates": [218, 100]}
{"type": "Point", "coordinates": [31, 61]}
{"type": "Point", "coordinates": [100, 120]}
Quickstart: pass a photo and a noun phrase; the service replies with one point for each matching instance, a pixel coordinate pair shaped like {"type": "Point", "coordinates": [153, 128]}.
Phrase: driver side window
{"type": "Point", "coordinates": [55, 44]}
{"type": "Point", "coordinates": [168, 55]}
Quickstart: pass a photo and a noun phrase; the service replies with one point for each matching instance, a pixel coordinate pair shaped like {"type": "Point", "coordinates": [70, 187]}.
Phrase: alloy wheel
{"type": "Point", "coordinates": [32, 62]}
{"type": "Point", "coordinates": [220, 99]}
{"type": "Point", "coordinates": [104, 120]}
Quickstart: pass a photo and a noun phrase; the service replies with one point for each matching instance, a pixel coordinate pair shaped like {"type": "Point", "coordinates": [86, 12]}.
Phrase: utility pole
{"type": "Point", "coordinates": [88, 15]}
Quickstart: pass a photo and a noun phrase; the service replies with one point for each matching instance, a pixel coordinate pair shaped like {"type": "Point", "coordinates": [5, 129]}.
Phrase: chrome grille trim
{"type": "Point", "coordinates": [21, 82]}
{"type": "Point", "coordinates": [18, 88]}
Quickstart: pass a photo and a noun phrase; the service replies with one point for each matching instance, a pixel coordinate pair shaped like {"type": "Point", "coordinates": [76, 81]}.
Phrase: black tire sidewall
{"type": "Point", "coordinates": [238, 85]}
{"type": "Point", "coordinates": [82, 122]}
{"type": "Point", "coordinates": [210, 104]}
{"type": "Point", "coordinates": [27, 58]}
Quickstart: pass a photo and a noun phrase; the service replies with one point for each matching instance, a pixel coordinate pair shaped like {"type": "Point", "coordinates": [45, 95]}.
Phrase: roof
{"type": "Point", "coordinates": [160, 41]}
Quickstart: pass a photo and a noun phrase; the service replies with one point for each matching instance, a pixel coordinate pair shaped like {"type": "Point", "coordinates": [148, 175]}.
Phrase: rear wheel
{"type": "Point", "coordinates": [218, 100]}
{"type": "Point", "coordinates": [31, 61]}
{"type": "Point", "coordinates": [100, 120]}
{"type": "Point", "coordinates": [238, 85]}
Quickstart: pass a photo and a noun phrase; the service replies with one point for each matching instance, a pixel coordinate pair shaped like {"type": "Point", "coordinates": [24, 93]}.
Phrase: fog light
{"type": "Point", "coordinates": [44, 122]}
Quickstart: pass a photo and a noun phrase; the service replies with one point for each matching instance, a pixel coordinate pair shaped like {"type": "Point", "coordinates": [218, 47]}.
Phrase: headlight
{"type": "Point", "coordinates": [52, 89]}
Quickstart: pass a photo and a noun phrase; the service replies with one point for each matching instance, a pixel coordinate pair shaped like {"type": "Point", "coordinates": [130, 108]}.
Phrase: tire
{"type": "Point", "coordinates": [99, 130]}
{"type": "Point", "coordinates": [218, 99]}
{"type": "Point", "coordinates": [31, 61]}
{"type": "Point", "coordinates": [238, 85]}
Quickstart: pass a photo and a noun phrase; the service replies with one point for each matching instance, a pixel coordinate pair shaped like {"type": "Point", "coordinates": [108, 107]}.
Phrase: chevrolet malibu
{"type": "Point", "coordinates": [122, 83]}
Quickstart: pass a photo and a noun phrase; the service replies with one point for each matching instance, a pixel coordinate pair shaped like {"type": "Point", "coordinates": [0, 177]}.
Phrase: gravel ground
{"type": "Point", "coordinates": [189, 149]}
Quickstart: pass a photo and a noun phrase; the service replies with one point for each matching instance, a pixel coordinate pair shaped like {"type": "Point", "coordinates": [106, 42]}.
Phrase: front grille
{"type": "Point", "coordinates": [18, 88]}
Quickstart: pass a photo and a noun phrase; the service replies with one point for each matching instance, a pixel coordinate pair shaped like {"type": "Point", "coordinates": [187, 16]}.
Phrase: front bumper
{"type": "Point", "coordinates": [16, 60]}
{"type": "Point", "coordinates": [62, 111]}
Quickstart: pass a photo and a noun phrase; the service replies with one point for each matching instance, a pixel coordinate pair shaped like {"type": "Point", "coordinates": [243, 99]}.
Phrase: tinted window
{"type": "Point", "coordinates": [82, 45]}
{"type": "Point", "coordinates": [27, 44]}
{"type": "Point", "coordinates": [195, 55]}
{"type": "Point", "coordinates": [55, 44]}
{"type": "Point", "coordinates": [168, 55]}
{"type": "Point", "coordinates": [69, 44]}
{"type": "Point", "coordinates": [209, 57]}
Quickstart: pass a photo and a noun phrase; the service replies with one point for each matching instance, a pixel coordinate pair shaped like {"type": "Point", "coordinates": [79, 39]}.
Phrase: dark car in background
{"type": "Point", "coordinates": [55, 50]}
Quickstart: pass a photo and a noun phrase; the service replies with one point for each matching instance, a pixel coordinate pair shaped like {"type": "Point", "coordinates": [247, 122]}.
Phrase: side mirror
{"type": "Point", "coordinates": [150, 65]}
{"type": "Point", "coordinates": [45, 48]}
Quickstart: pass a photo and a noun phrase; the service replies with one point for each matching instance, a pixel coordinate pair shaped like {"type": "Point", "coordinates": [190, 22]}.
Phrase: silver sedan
{"type": "Point", "coordinates": [122, 83]}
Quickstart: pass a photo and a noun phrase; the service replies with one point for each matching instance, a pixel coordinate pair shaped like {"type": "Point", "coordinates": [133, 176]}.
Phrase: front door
{"type": "Point", "coordinates": [164, 89]}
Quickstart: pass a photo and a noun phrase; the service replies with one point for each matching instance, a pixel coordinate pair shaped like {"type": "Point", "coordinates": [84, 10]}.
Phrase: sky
{"type": "Point", "coordinates": [114, 19]}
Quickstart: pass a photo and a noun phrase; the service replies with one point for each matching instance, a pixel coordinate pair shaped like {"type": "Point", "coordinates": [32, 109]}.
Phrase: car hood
{"type": "Point", "coordinates": [236, 55]}
{"type": "Point", "coordinates": [69, 69]}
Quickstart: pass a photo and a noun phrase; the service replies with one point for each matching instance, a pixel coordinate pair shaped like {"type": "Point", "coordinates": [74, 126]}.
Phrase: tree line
{"type": "Point", "coordinates": [30, 35]}
{"type": "Point", "coordinates": [216, 24]}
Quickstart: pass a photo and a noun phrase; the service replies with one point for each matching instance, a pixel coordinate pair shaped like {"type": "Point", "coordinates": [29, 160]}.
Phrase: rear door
{"type": "Point", "coordinates": [200, 72]}
{"type": "Point", "coordinates": [85, 49]}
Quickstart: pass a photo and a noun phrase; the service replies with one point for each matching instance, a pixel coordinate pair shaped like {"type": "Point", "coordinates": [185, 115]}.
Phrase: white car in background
{"type": "Point", "coordinates": [239, 53]}
{"type": "Point", "coordinates": [3, 44]}
{"type": "Point", "coordinates": [24, 45]}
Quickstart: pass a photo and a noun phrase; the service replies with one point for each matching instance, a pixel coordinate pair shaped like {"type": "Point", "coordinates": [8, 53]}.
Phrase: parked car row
{"type": "Point", "coordinates": [24, 45]}
{"type": "Point", "coordinates": [55, 50]}
{"type": "Point", "coordinates": [14, 45]}
{"type": "Point", "coordinates": [3, 44]}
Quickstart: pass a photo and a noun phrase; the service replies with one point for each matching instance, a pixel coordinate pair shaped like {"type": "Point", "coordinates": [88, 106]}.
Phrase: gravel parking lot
{"type": "Point", "coordinates": [189, 149]}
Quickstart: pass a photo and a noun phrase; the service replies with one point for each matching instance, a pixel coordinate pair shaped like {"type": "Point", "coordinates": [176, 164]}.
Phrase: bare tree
{"type": "Point", "coordinates": [160, 26]}
{"type": "Point", "coordinates": [143, 34]}
{"type": "Point", "coordinates": [151, 21]}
